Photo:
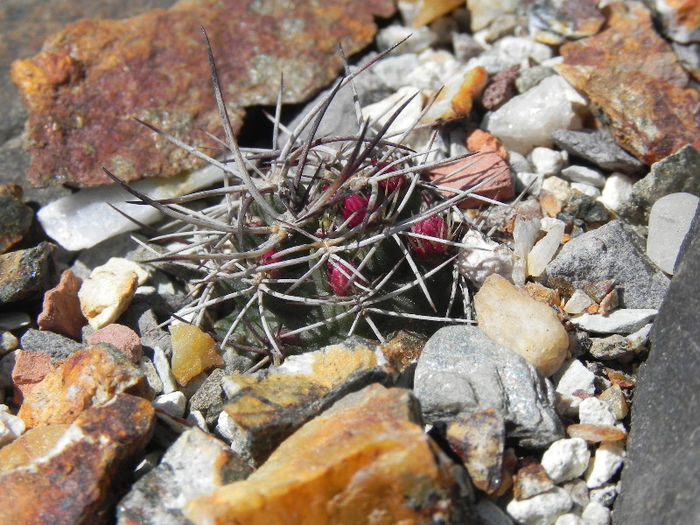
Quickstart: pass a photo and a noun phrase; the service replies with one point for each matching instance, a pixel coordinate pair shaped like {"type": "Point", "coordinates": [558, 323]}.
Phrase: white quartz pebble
{"type": "Point", "coordinates": [578, 302]}
{"type": "Point", "coordinates": [173, 403]}
{"type": "Point", "coordinates": [606, 462]}
{"type": "Point", "coordinates": [481, 257]}
{"type": "Point", "coordinates": [623, 321]}
{"type": "Point", "coordinates": [160, 361]}
{"type": "Point", "coordinates": [11, 427]}
{"type": "Point", "coordinates": [669, 222]}
{"type": "Point", "coordinates": [585, 188]}
{"type": "Point", "coordinates": [524, 235]}
{"type": "Point", "coordinates": [566, 459]}
{"type": "Point", "coordinates": [595, 514]}
{"type": "Point", "coordinates": [593, 411]}
{"type": "Point", "coordinates": [583, 174]}
{"type": "Point", "coordinates": [544, 250]}
{"type": "Point", "coordinates": [548, 161]}
{"type": "Point", "coordinates": [195, 417]}
{"type": "Point", "coordinates": [569, 519]}
{"type": "Point", "coordinates": [617, 191]}
{"type": "Point", "coordinates": [543, 509]}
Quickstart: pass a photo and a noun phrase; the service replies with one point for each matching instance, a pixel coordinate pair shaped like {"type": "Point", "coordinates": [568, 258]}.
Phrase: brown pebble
{"type": "Point", "coordinates": [30, 368]}
{"type": "Point", "coordinates": [61, 309]}
{"type": "Point", "coordinates": [120, 336]}
{"type": "Point", "coordinates": [596, 433]}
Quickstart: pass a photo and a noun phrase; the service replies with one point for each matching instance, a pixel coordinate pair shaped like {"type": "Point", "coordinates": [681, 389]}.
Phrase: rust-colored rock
{"type": "Point", "coordinates": [403, 350]}
{"type": "Point", "coordinates": [482, 141]}
{"type": "Point", "coordinates": [61, 309]}
{"type": "Point", "coordinates": [488, 170]}
{"type": "Point", "coordinates": [530, 481]}
{"type": "Point", "coordinates": [478, 439]}
{"type": "Point", "coordinates": [365, 460]}
{"type": "Point", "coordinates": [30, 368]}
{"type": "Point", "coordinates": [120, 336]}
{"type": "Point", "coordinates": [77, 481]}
{"type": "Point", "coordinates": [89, 377]}
{"type": "Point", "coordinates": [91, 80]}
{"type": "Point", "coordinates": [634, 76]}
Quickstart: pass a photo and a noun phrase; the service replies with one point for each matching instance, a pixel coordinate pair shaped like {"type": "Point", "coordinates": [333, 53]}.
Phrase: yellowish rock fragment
{"type": "Point", "coordinates": [193, 352]}
{"type": "Point", "coordinates": [33, 444]}
{"type": "Point", "coordinates": [530, 328]}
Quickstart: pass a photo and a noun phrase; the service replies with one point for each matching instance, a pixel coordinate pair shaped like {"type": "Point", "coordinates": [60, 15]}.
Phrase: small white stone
{"type": "Point", "coordinates": [8, 342]}
{"type": "Point", "coordinates": [482, 257]}
{"type": "Point", "coordinates": [669, 222]}
{"type": "Point", "coordinates": [392, 69]}
{"type": "Point", "coordinates": [593, 411]}
{"type": "Point", "coordinates": [543, 509]}
{"type": "Point", "coordinates": [227, 427]}
{"type": "Point", "coordinates": [623, 321]}
{"type": "Point", "coordinates": [516, 50]}
{"type": "Point", "coordinates": [586, 189]}
{"type": "Point", "coordinates": [557, 187]}
{"type": "Point", "coordinates": [421, 38]}
{"type": "Point", "coordinates": [532, 182]}
{"type": "Point", "coordinates": [544, 250]}
{"type": "Point", "coordinates": [578, 302]}
{"type": "Point", "coordinates": [583, 174]}
{"type": "Point", "coordinates": [640, 337]}
{"type": "Point", "coordinates": [173, 403]}
{"type": "Point", "coordinates": [566, 459]}
{"type": "Point", "coordinates": [107, 293]}
{"type": "Point", "coordinates": [604, 495]}
{"type": "Point", "coordinates": [519, 162]}
{"type": "Point", "coordinates": [195, 417]}
{"type": "Point", "coordinates": [617, 191]}
{"type": "Point", "coordinates": [548, 161]}
{"type": "Point", "coordinates": [596, 514]}
{"type": "Point", "coordinates": [160, 361]}
{"type": "Point", "coordinates": [527, 120]}
{"type": "Point", "coordinates": [574, 376]}
{"type": "Point", "coordinates": [569, 519]}
{"type": "Point", "coordinates": [11, 427]}
{"type": "Point", "coordinates": [606, 462]}
{"type": "Point", "coordinates": [524, 235]}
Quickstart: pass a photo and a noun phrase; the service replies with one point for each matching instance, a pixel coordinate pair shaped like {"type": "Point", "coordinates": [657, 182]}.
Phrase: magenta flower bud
{"type": "Point", "coordinates": [268, 258]}
{"type": "Point", "coordinates": [435, 227]}
{"type": "Point", "coordinates": [339, 278]}
{"type": "Point", "coordinates": [392, 183]}
{"type": "Point", "coordinates": [355, 206]}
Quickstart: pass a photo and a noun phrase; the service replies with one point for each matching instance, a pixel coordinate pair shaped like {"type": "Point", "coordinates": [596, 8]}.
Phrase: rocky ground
{"type": "Point", "coordinates": [565, 393]}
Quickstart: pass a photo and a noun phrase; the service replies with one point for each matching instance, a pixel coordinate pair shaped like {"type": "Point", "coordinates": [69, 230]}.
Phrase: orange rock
{"type": "Point", "coordinates": [482, 141]}
{"type": "Point", "coordinates": [89, 377]}
{"type": "Point", "coordinates": [487, 170]}
{"type": "Point", "coordinates": [91, 80]}
{"type": "Point", "coordinates": [30, 446]}
{"type": "Point", "coordinates": [431, 10]}
{"type": "Point", "coordinates": [543, 294]}
{"type": "Point", "coordinates": [77, 480]}
{"type": "Point", "coordinates": [456, 98]}
{"type": "Point", "coordinates": [403, 350]}
{"type": "Point", "coordinates": [365, 460]}
{"type": "Point", "coordinates": [30, 368]}
{"type": "Point", "coordinates": [61, 309]}
{"type": "Point", "coordinates": [193, 352]}
{"type": "Point", "coordinates": [596, 433]}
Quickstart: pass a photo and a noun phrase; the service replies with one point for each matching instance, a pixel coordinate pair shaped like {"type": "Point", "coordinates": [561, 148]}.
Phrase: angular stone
{"type": "Point", "coordinates": [542, 509]}
{"type": "Point", "coordinates": [30, 368]}
{"type": "Point", "coordinates": [597, 147]}
{"type": "Point", "coordinates": [267, 407]}
{"type": "Point", "coordinates": [669, 222]}
{"type": "Point", "coordinates": [80, 119]}
{"type": "Point", "coordinates": [480, 257]}
{"type": "Point", "coordinates": [461, 371]}
{"type": "Point", "coordinates": [664, 421]}
{"type": "Point", "coordinates": [566, 459]}
{"type": "Point", "coordinates": [11, 427]}
{"type": "Point", "coordinates": [34, 444]}
{"type": "Point", "coordinates": [25, 274]}
{"type": "Point", "coordinates": [633, 75]}
{"type": "Point", "coordinates": [107, 293]}
{"type": "Point", "coordinates": [15, 219]}
{"type": "Point", "coordinates": [364, 460]}
{"type": "Point", "coordinates": [120, 336]}
{"type": "Point", "coordinates": [606, 462]}
{"type": "Point", "coordinates": [481, 141]}
{"type": "Point", "coordinates": [500, 89]}
{"type": "Point", "coordinates": [89, 377]}
{"type": "Point", "coordinates": [617, 191]}
{"type": "Point", "coordinates": [552, 22]}
{"type": "Point", "coordinates": [596, 433]}
{"type": "Point", "coordinates": [547, 161]}
{"type": "Point", "coordinates": [194, 352]}
{"type": "Point", "coordinates": [159, 496]}
{"type": "Point", "coordinates": [583, 174]}
{"type": "Point", "coordinates": [401, 353]}
{"type": "Point", "coordinates": [531, 76]}
{"type": "Point", "coordinates": [56, 346]}
{"type": "Point", "coordinates": [479, 439]}
{"type": "Point", "coordinates": [77, 480]}
{"type": "Point", "coordinates": [458, 95]}
{"type": "Point", "coordinates": [543, 251]}
{"type": "Point", "coordinates": [572, 380]}
{"type": "Point", "coordinates": [431, 10]}
{"type": "Point", "coordinates": [680, 19]}
{"type": "Point", "coordinates": [518, 322]}
{"type": "Point", "coordinates": [623, 321]}
{"type": "Point", "coordinates": [482, 13]}
{"type": "Point", "coordinates": [530, 481]}
{"type": "Point", "coordinates": [612, 251]}
{"type": "Point", "coordinates": [527, 120]}
{"type": "Point", "coordinates": [209, 397]}
{"type": "Point", "coordinates": [61, 309]}
{"type": "Point", "coordinates": [8, 342]}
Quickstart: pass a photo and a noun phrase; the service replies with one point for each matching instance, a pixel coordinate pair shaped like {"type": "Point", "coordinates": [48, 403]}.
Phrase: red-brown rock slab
{"type": "Point", "coordinates": [77, 481]}
{"type": "Point", "coordinates": [487, 169]}
{"type": "Point", "coordinates": [633, 75]}
{"type": "Point", "coordinates": [30, 368]}
{"type": "Point", "coordinates": [89, 82]}
{"type": "Point", "coordinates": [120, 336]}
{"type": "Point", "coordinates": [61, 309]}
{"type": "Point", "coordinates": [89, 377]}
{"type": "Point", "coordinates": [364, 460]}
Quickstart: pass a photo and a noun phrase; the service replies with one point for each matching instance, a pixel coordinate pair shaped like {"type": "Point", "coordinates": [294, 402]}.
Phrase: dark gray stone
{"type": "Point", "coordinates": [613, 251]}
{"type": "Point", "coordinates": [676, 173]}
{"type": "Point", "coordinates": [661, 476]}
{"type": "Point", "coordinates": [209, 397]}
{"type": "Point", "coordinates": [597, 147]}
{"type": "Point", "coordinates": [461, 371]}
{"type": "Point", "coordinates": [55, 345]}
{"type": "Point", "coordinates": [26, 274]}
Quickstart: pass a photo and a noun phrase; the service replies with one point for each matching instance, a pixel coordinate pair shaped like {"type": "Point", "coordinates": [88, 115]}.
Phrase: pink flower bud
{"type": "Point", "coordinates": [339, 278]}
{"type": "Point", "coordinates": [392, 183]}
{"type": "Point", "coordinates": [355, 206]}
{"type": "Point", "coordinates": [435, 227]}
{"type": "Point", "coordinates": [268, 258]}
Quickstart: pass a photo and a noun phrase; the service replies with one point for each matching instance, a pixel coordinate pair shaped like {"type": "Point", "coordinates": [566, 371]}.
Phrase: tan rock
{"type": "Point", "coordinates": [365, 460]}
{"type": "Point", "coordinates": [61, 309]}
{"type": "Point", "coordinates": [596, 433]}
{"type": "Point", "coordinates": [30, 446]}
{"type": "Point", "coordinates": [431, 10]}
{"type": "Point", "coordinates": [105, 295]}
{"type": "Point", "coordinates": [458, 95]}
{"type": "Point", "coordinates": [74, 480]}
{"type": "Point", "coordinates": [530, 328]}
{"type": "Point", "coordinates": [194, 352]}
{"type": "Point", "coordinates": [89, 377]}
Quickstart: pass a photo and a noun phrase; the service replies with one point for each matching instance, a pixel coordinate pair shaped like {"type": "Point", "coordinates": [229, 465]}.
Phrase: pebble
{"type": "Point", "coordinates": [11, 427]}
{"type": "Point", "coordinates": [531, 480]}
{"type": "Point", "coordinates": [15, 218]}
{"type": "Point", "coordinates": [194, 351]}
{"type": "Point", "coordinates": [421, 38]}
{"type": "Point", "coordinates": [578, 490]}
{"type": "Point", "coordinates": [605, 495]}
{"type": "Point", "coordinates": [614, 347]}
{"type": "Point", "coordinates": [462, 371]}
{"type": "Point", "coordinates": [26, 274]}
{"type": "Point", "coordinates": [596, 433]}
{"type": "Point", "coordinates": [380, 112]}
{"type": "Point", "coordinates": [616, 401]}
{"type": "Point", "coordinates": [595, 514]}
{"type": "Point", "coordinates": [593, 411]}
{"type": "Point", "coordinates": [606, 462]}
{"type": "Point", "coordinates": [162, 366]}
{"type": "Point", "coordinates": [120, 336]}
{"type": "Point", "coordinates": [524, 234]}
{"type": "Point", "coordinates": [531, 76]}
{"type": "Point", "coordinates": [527, 120]}
{"type": "Point", "coordinates": [56, 346]}
{"type": "Point", "coordinates": [547, 161]}
{"type": "Point", "coordinates": [542, 509]}
{"type": "Point", "coordinates": [566, 459]}
{"type": "Point", "coordinates": [598, 148]}
{"type": "Point", "coordinates": [28, 370]}
{"type": "Point", "coordinates": [572, 380]}
{"type": "Point", "coordinates": [8, 342]}
{"type": "Point", "coordinates": [617, 191]}
{"type": "Point", "coordinates": [61, 308]}
{"type": "Point", "coordinates": [578, 302]}
{"type": "Point", "coordinates": [669, 222]}
{"type": "Point", "coordinates": [545, 248]}
{"type": "Point", "coordinates": [569, 519]}
{"type": "Point", "coordinates": [583, 174]}
{"type": "Point", "coordinates": [530, 328]}
{"type": "Point", "coordinates": [151, 374]}
{"type": "Point", "coordinates": [209, 397]}
{"type": "Point", "coordinates": [500, 89]}
{"type": "Point", "coordinates": [612, 251]}
{"type": "Point", "coordinates": [173, 404]}
{"type": "Point", "coordinates": [624, 321]}
{"type": "Point", "coordinates": [480, 257]}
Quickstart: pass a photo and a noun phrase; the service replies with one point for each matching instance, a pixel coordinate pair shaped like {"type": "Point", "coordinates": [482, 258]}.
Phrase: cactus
{"type": "Point", "coordinates": [316, 239]}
